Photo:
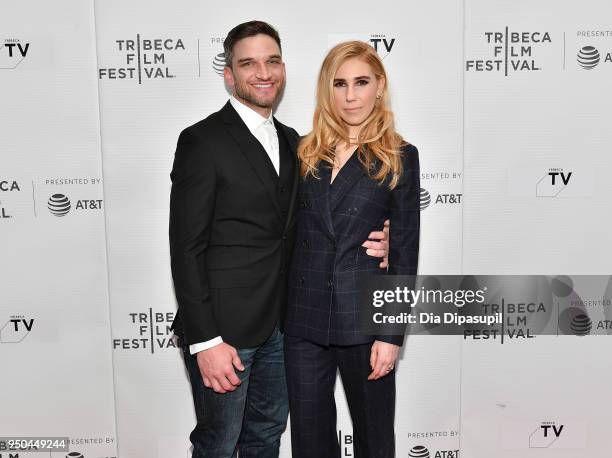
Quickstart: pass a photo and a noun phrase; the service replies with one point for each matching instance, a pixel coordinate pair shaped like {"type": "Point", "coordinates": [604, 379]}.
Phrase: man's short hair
{"type": "Point", "coordinates": [245, 30]}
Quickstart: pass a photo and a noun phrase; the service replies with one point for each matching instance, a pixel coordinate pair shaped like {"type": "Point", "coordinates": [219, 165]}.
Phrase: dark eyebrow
{"type": "Point", "coordinates": [250, 59]}
{"type": "Point", "coordinates": [356, 78]}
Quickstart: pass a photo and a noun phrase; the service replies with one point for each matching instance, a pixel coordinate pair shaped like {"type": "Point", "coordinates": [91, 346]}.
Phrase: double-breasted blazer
{"type": "Point", "coordinates": [333, 221]}
{"type": "Point", "coordinates": [231, 230]}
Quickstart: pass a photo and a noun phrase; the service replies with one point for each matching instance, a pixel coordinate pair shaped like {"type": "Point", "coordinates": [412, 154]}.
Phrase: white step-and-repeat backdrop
{"type": "Point", "coordinates": [508, 104]}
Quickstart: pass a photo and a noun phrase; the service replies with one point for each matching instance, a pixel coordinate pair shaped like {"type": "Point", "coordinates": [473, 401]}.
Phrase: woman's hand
{"type": "Point", "coordinates": [382, 359]}
{"type": "Point", "coordinates": [378, 245]}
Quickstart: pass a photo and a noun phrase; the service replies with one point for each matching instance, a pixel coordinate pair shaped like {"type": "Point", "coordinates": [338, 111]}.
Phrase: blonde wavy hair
{"type": "Point", "coordinates": [378, 141]}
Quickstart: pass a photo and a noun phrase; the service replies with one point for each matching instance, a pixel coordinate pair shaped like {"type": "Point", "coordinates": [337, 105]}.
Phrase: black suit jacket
{"type": "Point", "coordinates": [231, 230]}
{"type": "Point", "coordinates": [328, 260]}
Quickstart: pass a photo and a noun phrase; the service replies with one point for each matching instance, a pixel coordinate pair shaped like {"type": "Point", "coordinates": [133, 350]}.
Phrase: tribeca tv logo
{"type": "Point", "coordinates": [510, 52]}
{"type": "Point", "coordinates": [12, 53]}
{"type": "Point", "coordinates": [553, 182]}
{"type": "Point", "coordinates": [143, 59]}
{"type": "Point", "coordinates": [16, 329]}
{"type": "Point", "coordinates": [544, 436]}
{"type": "Point", "coordinates": [382, 44]}
{"type": "Point", "coordinates": [152, 331]}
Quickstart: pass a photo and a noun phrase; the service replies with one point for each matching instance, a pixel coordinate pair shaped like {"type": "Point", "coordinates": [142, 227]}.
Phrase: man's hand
{"type": "Point", "coordinates": [217, 367]}
{"type": "Point", "coordinates": [382, 359]}
{"type": "Point", "coordinates": [378, 245]}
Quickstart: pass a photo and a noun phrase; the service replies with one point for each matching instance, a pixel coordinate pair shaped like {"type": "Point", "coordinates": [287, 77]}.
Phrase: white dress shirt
{"type": "Point", "coordinates": [263, 130]}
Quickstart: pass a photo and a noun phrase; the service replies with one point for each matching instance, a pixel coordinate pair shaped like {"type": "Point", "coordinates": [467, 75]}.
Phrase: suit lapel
{"type": "Point", "coordinates": [252, 150]}
{"type": "Point", "coordinates": [346, 178]}
{"type": "Point", "coordinates": [322, 196]}
{"type": "Point", "coordinates": [292, 141]}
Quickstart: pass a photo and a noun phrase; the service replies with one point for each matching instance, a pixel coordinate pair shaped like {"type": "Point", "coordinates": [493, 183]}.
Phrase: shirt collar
{"type": "Point", "coordinates": [251, 118]}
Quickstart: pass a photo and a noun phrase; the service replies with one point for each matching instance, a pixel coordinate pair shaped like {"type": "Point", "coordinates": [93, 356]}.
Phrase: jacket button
{"type": "Point", "coordinates": [303, 204]}
{"type": "Point", "coordinates": [330, 283]}
{"type": "Point", "coordinates": [304, 242]}
{"type": "Point", "coordinates": [302, 280]}
{"type": "Point", "coordinates": [284, 237]}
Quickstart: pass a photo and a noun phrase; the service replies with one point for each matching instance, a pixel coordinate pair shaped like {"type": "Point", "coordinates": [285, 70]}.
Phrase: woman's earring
{"type": "Point", "coordinates": [378, 96]}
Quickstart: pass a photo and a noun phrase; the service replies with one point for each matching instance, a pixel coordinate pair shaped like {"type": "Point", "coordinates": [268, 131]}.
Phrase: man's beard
{"type": "Point", "coordinates": [242, 91]}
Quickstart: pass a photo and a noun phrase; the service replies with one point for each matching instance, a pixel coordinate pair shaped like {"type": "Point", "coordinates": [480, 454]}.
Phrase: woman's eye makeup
{"type": "Point", "coordinates": [342, 83]}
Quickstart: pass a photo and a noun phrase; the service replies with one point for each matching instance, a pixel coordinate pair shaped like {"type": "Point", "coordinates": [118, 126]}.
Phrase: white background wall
{"type": "Point", "coordinates": [99, 362]}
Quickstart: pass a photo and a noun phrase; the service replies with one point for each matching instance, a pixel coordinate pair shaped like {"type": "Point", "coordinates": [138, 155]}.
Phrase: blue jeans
{"type": "Point", "coordinates": [250, 419]}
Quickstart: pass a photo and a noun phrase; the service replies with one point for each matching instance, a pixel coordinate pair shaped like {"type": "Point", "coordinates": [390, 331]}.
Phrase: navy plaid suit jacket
{"type": "Point", "coordinates": [328, 259]}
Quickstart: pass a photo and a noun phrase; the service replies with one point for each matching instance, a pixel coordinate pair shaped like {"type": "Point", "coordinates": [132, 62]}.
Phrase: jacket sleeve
{"type": "Point", "coordinates": [404, 227]}
{"type": "Point", "coordinates": [192, 200]}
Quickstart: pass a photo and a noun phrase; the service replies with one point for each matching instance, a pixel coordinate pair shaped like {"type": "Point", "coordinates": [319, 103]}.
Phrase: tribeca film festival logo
{"type": "Point", "coordinates": [510, 52]}
{"type": "Point", "coordinates": [441, 199]}
{"type": "Point", "coordinates": [553, 182]}
{"type": "Point", "coordinates": [17, 328]}
{"type": "Point", "coordinates": [152, 331]}
{"type": "Point", "coordinates": [420, 451]}
{"type": "Point", "coordinates": [143, 59]}
{"type": "Point", "coordinates": [7, 187]}
{"type": "Point", "coordinates": [346, 444]}
{"type": "Point", "coordinates": [12, 53]}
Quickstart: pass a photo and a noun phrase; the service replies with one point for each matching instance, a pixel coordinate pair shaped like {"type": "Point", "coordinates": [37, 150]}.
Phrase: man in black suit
{"type": "Point", "coordinates": [232, 218]}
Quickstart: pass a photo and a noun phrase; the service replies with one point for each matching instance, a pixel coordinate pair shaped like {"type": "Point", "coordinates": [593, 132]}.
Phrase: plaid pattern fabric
{"type": "Point", "coordinates": [311, 377]}
{"type": "Point", "coordinates": [328, 259]}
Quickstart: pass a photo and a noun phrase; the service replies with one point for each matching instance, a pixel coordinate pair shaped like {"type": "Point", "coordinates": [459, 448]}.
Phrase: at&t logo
{"type": "Point", "coordinates": [588, 57]}
{"type": "Point", "coordinates": [420, 451]}
{"type": "Point", "coordinates": [218, 63]}
{"type": "Point", "coordinates": [59, 204]}
{"type": "Point", "coordinates": [443, 198]}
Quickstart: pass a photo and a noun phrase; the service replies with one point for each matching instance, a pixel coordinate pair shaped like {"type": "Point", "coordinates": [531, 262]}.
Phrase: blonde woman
{"type": "Point", "coordinates": [356, 171]}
